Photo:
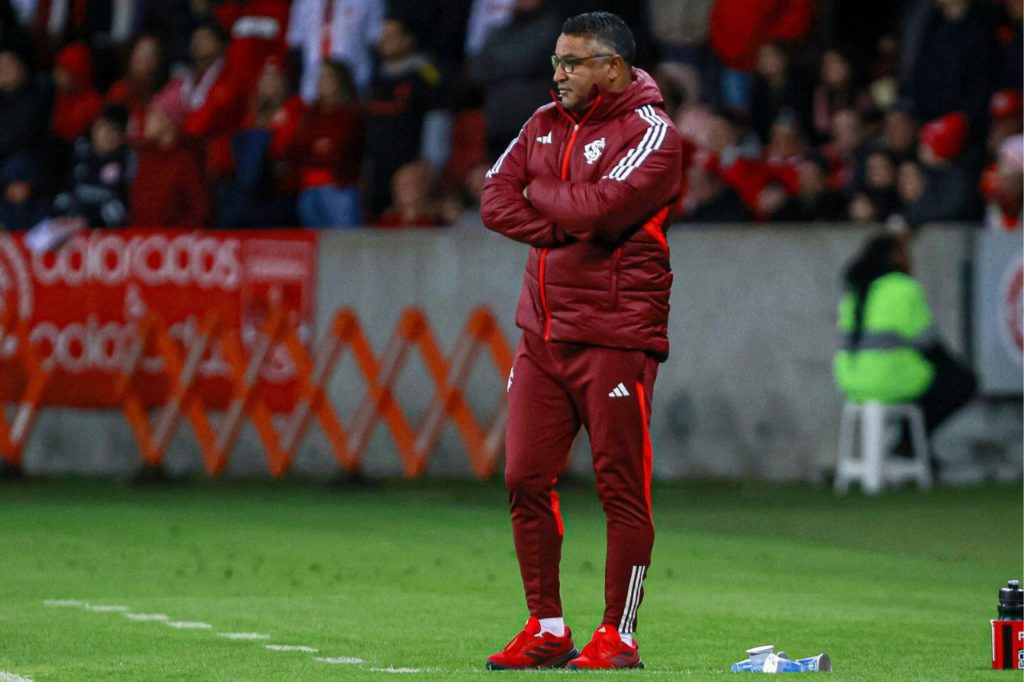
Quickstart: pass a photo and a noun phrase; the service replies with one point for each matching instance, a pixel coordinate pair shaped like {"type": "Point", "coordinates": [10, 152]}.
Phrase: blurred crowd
{"type": "Point", "coordinates": [387, 113]}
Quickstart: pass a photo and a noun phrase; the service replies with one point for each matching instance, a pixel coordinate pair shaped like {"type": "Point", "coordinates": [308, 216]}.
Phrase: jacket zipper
{"type": "Point", "coordinates": [544, 251]}
{"type": "Point", "coordinates": [565, 176]}
{"type": "Point", "coordinates": [568, 148]}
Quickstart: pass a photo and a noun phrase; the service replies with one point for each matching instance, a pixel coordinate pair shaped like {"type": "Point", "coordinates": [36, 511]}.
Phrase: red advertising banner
{"type": "Point", "coordinates": [83, 302]}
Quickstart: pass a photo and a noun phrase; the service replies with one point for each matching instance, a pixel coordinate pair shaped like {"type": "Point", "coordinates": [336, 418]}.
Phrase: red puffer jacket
{"type": "Point", "coordinates": [600, 187]}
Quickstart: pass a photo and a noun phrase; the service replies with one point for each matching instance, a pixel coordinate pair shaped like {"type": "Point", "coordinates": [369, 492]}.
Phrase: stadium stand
{"type": "Point", "coordinates": [771, 93]}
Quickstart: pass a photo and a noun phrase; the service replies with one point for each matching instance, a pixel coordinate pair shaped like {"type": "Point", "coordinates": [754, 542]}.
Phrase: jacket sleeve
{"type": "Point", "coordinates": [221, 112]}
{"type": "Point", "coordinates": [642, 180]}
{"type": "Point", "coordinates": [505, 210]}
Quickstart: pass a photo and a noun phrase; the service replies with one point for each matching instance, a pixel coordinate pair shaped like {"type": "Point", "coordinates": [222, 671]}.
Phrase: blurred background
{"type": "Point", "coordinates": [250, 157]}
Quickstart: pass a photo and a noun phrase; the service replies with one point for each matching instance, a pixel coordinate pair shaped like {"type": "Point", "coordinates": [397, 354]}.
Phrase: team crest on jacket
{"type": "Point", "coordinates": [593, 151]}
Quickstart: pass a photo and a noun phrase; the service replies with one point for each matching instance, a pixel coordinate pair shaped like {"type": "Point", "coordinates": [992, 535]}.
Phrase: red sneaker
{"type": "Point", "coordinates": [606, 650]}
{"type": "Point", "coordinates": [532, 648]}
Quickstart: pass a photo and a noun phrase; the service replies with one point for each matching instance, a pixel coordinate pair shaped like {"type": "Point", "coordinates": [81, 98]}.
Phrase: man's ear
{"type": "Point", "coordinates": [616, 66]}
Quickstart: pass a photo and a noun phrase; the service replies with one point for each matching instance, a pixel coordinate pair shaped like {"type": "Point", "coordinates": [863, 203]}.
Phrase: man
{"type": "Point", "coordinates": [406, 119]}
{"type": "Point", "coordinates": [213, 97]}
{"type": "Point", "coordinates": [511, 70]}
{"type": "Point", "coordinates": [334, 30]}
{"type": "Point", "coordinates": [589, 184]}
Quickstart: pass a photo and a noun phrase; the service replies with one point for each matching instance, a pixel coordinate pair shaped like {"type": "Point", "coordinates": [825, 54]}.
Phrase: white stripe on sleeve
{"type": "Point", "coordinates": [501, 159]}
{"type": "Point", "coordinates": [651, 141]}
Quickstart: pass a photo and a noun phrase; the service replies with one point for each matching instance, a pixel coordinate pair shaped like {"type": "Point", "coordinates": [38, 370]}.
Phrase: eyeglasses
{"type": "Point", "coordinates": [569, 63]}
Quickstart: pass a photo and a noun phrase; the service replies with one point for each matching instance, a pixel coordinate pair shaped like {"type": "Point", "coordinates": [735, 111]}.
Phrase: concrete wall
{"type": "Point", "coordinates": [747, 391]}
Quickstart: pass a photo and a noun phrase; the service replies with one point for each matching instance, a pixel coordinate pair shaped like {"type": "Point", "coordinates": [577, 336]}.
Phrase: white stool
{"type": "Point", "coordinates": [876, 467]}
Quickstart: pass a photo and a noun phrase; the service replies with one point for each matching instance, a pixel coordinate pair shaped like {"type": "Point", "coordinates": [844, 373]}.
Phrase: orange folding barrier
{"type": "Point", "coordinates": [313, 374]}
{"type": "Point", "coordinates": [14, 434]}
{"type": "Point", "coordinates": [182, 397]}
{"type": "Point", "coordinates": [246, 372]}
{"type": "Point", "coordinates": [483, 444]}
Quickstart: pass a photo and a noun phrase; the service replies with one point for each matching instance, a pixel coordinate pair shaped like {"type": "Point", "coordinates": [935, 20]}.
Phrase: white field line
{"type": "Point", "coordinates": [188, 625]}
{"type": "Point", "coordinates": [243, 635]}
{"type": "Point", "coordinates": [291, 647]}
{"type": "Point", "coordinates": [192, 625]}
{"type": "Point", "coordinates": [11, 677]}
{"type": "Point", "coordinates": [146, 617]}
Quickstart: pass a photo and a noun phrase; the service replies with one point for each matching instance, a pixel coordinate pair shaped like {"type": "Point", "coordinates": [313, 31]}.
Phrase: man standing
{"type": "Point", "coordinates": [589, 184]}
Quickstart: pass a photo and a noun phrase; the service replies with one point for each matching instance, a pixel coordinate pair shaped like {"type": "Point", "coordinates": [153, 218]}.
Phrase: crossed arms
{"type": "Point", "coordinates": [548, 212]}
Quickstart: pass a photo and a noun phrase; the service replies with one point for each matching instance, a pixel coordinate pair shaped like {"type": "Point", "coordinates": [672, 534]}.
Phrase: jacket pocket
{"type": "Point", "coordinates": [613, 285]}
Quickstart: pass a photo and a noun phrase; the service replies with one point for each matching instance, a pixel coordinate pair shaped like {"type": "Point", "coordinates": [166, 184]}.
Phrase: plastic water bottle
{"type": "Point", "coordinates": [1008, 629]}
{"type": "Point", "coordinates": [763, 659]}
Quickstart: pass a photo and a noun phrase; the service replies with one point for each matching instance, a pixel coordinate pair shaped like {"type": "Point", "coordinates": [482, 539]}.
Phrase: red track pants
{"type": "Point", "coordinates": [555, 388]}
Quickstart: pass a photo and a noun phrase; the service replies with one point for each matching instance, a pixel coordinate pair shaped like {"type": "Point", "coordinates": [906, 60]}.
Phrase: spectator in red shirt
{"type": "Point", "coordinates": [169, 189]}
{"type": "Point", "coordinates": [328, 152]}
{"type": "Point", "coordinates": [77, 104]}
{"type": "Point", "coordinates": [257, 29]}
{"type": "Point", "coordinates": [709, 200]}
{"type": "Point", "coordinates": [738, 157]}
{"type": "Point", "coordinates": [814, 201]}
{"type": "Point", "coordinates": [738, 28]}
{"type": "Point", "coordinates": [262, 193]}
{"type": "Point", "coordinates": [212, 98]}
{"type": "Point", "coordinates": [145, 76]}
{"type": "Point", "coordinates": [275, 109]}
{"type": "Point", "coordinates": [410, 192]}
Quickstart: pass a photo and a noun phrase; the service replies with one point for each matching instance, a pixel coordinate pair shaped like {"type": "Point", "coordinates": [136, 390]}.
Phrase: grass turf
{"type": "Point", "coordinates": [422, 576]}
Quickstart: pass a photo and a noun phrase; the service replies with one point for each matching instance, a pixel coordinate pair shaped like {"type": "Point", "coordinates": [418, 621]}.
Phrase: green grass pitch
{"type": "Point", "coordinates": [421, 578]}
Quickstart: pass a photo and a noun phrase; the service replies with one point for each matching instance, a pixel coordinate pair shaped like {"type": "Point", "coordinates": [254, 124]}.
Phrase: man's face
{"type": "Point", "coordinates": [574, 88]}
{"type": "Point", "coordinates": [953, 10]}
{"type": "Point", "coordinates": [900, 131]}
{"type": "Point", "coordinates": [18, 191]}
{"type": "Point", "coordinates": [880, 173]}
{"type": "Point", "coordinates": [812, 178]}
{"type": "Point", "coordinates": [145, 58]}
{"type": "Point", "coordinates": [721, 135]}
{"type": "Point", "coordinates": [12, 71]}
{"type": "Point", "coordinates": [846, 130]}
{"type": "Point", "coordinates": [395, 42]}
{"type": "Point", "coordinates": [205, 49]}
{"type": "Point", "coordinates": [106, 137]}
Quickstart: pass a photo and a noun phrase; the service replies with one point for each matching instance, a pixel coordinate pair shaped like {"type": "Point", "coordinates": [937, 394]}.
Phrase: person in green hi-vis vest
{"type": "Point", "coordinates": [891, 352]}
